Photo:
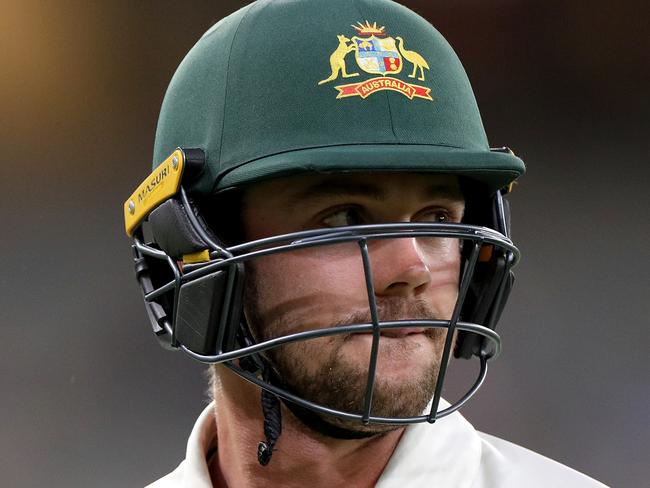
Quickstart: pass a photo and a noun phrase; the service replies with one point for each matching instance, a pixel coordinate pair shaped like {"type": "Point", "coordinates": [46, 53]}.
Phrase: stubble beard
{"type": "Point", "coordinates": [337, 381]}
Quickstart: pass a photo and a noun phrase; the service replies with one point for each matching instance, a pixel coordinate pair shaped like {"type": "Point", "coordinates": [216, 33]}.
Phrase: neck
{"type": "Point", "coordinates": [302, 458]}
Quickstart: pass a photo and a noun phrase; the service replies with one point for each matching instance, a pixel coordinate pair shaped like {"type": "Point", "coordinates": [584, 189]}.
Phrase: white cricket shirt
{"type": "Point", "coordinates": [450, 453]}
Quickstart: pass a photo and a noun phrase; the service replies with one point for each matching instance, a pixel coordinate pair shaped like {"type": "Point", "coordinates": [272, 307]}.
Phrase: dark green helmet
{"type": "Point", "coordinates": [282, 87]}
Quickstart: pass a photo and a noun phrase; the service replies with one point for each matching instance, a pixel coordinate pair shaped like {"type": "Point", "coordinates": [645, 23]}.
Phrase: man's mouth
{"type": "Point", "coordinates": [402, 332]}
{"type": "Point", "coordinates": [397, 333]}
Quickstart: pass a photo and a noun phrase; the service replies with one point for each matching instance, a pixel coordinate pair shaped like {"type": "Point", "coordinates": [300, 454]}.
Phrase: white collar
{"type": "Point", "coordinates": [447, 453]}
{"type": "Point", "coordinates": [195, 472]}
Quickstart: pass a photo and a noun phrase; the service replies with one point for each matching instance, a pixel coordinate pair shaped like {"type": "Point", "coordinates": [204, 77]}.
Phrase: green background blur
{"type": "Point", "coordinates": [88, 397]}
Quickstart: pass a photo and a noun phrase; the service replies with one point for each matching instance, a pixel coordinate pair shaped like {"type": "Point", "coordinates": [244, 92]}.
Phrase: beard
{"type": "Point", "coordinates": [328, 370]}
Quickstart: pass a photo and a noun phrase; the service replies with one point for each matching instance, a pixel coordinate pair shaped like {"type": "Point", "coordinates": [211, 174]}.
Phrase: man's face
{"type": "Point", "coordinates": [414, 278]}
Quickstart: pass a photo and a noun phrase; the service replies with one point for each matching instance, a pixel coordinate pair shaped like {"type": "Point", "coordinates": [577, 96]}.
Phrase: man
{"type": "Point", "coordinates": [329, 230]}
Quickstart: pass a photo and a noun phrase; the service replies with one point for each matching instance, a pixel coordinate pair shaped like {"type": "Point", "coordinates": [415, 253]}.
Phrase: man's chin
{"type": "Point", "coordinates": [336, 427]}
{"type": "Point", "coordinates": [358, 430]}
{"type": "Point", "coordinates": [399, 359]}
{"type": "Point", "coordinates": [393, 397]}
{"type": "Point", "coordinates": [404, 379]}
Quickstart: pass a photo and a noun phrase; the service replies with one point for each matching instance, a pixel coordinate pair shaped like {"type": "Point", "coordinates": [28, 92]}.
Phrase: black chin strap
{"type": "Point", "coordinates": [272, 411]}
{"type": "Point", "coordinates": [310, 418]}
{"type": "Point", "coordinates": [317, 424]}
{"type": "Point", "coordinates": [271, 407]}
{"type": "Point", "coordinates": [272, 423]}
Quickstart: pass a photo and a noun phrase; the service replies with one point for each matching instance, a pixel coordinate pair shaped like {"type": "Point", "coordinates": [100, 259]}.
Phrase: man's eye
{"type": "Point", "coordinates": [437, 215]}
{"type": "Point", "coordinates": [343, 217]}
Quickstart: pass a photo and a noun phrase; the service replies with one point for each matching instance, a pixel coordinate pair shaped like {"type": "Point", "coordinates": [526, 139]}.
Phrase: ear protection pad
{"type": "Point", "coordinates": [484, 303]}
{"type": "Point", "coordinates": [491, 282]}
{"type": "Point", "coordinates": [203, 313]}
{"type": "Point", "coordinates": [208, 311]}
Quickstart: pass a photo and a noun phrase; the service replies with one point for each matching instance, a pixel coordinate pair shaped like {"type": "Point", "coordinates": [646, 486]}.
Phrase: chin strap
{"type": "Point", "coordinates": [272, 423]}
{"type": "Point", "coordinates": [271, 408]}
{"type": "Point", "coordinates": [319, 425]}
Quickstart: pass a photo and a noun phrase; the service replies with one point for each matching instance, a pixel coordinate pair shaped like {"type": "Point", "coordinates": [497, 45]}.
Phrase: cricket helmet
{"type": "Point", "coordinates": [287, 87]}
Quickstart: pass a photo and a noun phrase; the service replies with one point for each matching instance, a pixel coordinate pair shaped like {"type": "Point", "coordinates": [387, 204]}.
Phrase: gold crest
{"type": "Point", "coordinates": [376, 53]}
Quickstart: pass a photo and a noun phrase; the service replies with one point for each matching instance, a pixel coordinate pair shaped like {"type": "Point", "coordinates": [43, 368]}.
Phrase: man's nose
{"type": "Point", "coordinates": [399, 267]}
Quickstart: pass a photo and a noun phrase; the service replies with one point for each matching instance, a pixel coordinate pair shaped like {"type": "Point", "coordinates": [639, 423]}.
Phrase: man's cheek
{"type": "Point", "coordinates": [299, 291]}
{"type": "Point", "coordinates": [303, 273]}
{"type": "Point", "coordinates": [445, 300]}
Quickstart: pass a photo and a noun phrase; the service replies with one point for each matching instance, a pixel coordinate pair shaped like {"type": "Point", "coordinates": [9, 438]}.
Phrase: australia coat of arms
{"type": "Point", "coordinates": [376, 53]}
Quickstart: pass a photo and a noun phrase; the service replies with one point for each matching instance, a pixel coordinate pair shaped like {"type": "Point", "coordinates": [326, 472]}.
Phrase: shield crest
{"type": "Point", "coordinates": [377, 56]}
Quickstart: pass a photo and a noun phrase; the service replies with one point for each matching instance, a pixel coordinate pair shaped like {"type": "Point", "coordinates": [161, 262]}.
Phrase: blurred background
{"type": "Point", "coordinates": [90, 399]}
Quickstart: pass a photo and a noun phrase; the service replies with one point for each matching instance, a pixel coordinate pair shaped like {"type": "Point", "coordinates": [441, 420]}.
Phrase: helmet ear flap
{"type": "Point", "coordinates": [489, 288]}
{"type": "Point", "coordinates": [205, 312]}
{"type": "Point", "coordinates": [208, 312]}
{"type": "Point", "coordinates": [501, 214]}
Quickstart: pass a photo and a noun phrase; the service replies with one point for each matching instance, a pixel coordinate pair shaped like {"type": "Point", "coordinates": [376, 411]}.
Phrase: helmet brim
{"type": "Point", "coordinates": [493, 169]}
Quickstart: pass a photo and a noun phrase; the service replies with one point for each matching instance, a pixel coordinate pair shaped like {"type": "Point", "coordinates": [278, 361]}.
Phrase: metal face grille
{"type": "Point", "coordinates": [231, 345]}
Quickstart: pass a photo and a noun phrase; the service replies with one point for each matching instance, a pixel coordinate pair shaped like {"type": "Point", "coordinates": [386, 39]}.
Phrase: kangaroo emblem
{"type": "Point", "coordinates": [337, 60]}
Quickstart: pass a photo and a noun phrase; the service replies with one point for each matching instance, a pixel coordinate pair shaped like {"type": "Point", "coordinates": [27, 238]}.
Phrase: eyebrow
{"type": "Point", "coordinates": [339, 188]}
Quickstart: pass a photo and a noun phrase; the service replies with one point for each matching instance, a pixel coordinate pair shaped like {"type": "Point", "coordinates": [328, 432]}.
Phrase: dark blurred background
{"type": "Point", "coordinates": [89, 398]}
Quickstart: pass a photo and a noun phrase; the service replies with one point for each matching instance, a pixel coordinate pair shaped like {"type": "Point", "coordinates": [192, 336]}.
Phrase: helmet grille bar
{"type": "Point", "coordinates": [280, 392]}
{"type": "Point", "coordinates": [464, 286]}
{"type": "Point", "coordinates": [374, 351]}
{"type": "Point", "coordinates": [344, 329]}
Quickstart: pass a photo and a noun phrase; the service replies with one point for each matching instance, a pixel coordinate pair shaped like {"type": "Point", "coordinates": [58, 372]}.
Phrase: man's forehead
{"type": "Point", "coordinates": [376, 185]}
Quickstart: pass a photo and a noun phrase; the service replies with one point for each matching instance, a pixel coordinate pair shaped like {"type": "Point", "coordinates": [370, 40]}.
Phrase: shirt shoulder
{"type": "Point", "coordinates": [193, 472]}
{"type": "Point", "coordinates": [506, 465]}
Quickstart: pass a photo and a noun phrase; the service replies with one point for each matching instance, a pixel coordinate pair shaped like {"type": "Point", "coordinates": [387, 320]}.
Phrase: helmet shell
{"type": "Point", "coordinates": [277, 88]}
